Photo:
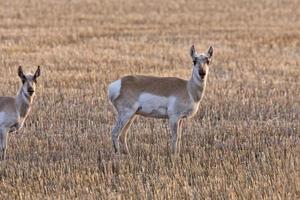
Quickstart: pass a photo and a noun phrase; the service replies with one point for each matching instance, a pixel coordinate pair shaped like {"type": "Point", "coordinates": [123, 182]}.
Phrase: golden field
{"type": "Point", "coordinates": [244, 143]}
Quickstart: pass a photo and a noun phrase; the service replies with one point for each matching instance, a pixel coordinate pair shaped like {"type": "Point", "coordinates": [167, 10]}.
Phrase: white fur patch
{"type": "Point", "coordinates": [172, 106]}
{"type": "Point", "coordinates": [2, 117]}
{"type": "Point", "coordinates": [114, 90]}
{"type": "Point", "coordinates": [196, 78]}
{"type": "Point", "coordinates": [153, 105]}
{"type": "Point", "coordinates": [7, 119]}
{"type": "Point", "coordinates": [26, 100]}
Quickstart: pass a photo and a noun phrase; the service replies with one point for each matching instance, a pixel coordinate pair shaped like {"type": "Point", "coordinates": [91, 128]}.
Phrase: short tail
{"type": "Point", "coordinates": [114, 90]}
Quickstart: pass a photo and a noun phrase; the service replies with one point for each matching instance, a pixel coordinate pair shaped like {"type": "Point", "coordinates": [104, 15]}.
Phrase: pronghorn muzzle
{"type": "Point", "coordinates": [30, 91]}
{"type": "Point", "coordinates": [202, 73]}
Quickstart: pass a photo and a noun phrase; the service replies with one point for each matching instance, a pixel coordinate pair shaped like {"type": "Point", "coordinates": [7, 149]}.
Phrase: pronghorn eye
{"type": "Point", "coordinates": [208, 62]}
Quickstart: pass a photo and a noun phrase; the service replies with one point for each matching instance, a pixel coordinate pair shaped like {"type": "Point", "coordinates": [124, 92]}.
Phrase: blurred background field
{"type": "Point", "coordinates": [244, 142]}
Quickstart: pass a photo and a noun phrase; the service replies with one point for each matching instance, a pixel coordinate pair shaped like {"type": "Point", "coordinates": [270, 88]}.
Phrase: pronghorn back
{"type": "Point", "coordinates": [7, 104]}
{"type": "Point", "coordinates": [131, 87]}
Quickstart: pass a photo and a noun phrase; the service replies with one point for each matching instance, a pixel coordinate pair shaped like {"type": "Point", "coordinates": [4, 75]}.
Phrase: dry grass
{"type": "Point", "coordinates": [243, 144]}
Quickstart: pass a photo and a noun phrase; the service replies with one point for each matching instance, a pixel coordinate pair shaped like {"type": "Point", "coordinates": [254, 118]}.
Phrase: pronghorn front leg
{"type": "Point", "coordinates": [3, 142]}
{"type": "Point", "coordinates": [175, 126]}
{"type": "Point", "coordinates": [123, 120]}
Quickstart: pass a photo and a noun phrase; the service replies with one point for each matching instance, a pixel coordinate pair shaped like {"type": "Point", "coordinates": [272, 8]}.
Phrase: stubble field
{"type": "Point", "coordinates": [244, 143]}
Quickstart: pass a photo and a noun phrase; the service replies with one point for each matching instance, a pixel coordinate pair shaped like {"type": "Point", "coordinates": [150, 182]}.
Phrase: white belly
{"type": "Point", "coordinates": [2, 118]}
{"type": "Point", "coordinates": [7, 119]}
{"type": "Point", "coordinates": [153, 105]}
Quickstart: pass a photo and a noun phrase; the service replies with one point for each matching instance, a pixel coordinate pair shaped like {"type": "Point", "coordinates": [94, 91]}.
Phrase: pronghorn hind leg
{"type": "Point", "coordinates": [123, 136]}
{"type": "Point", "coordinates": [175, 126]}
{"type": "Point", "coordinates": [3, 142]}
{"type": "Point", "coordinates": [122, 121]}
{"type": "Point", "coordinates": [180, 134]}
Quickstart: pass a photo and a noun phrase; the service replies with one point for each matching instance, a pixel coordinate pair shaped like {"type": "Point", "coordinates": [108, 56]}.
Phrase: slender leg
{"type": "Point", "coordinates": [123, 135]}
{"type": "Point", "coordinates": [175, 130]}
{"type": "Point", "coordinates": [122, 121]}
{"type": "Point", "coordinates": [3, 142]}
{"type": "Point", "coordinates": [179, 131]}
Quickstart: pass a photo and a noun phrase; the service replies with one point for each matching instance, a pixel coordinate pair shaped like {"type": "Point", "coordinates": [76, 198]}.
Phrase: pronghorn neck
{"type": "Point", "coordinates": [23, 103]}
{"type": "Point", "coordinates": [196, 86]}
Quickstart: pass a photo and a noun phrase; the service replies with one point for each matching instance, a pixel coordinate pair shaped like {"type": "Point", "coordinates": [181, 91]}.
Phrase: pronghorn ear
{"type": "Point", "coordinates": [193, 51]}
{"type": "Point", "coordinates": [210, 52]}
{"type": "Point", "coordinates": [37, 73]}
{"type": "Point", "coordinates": [21, 74]}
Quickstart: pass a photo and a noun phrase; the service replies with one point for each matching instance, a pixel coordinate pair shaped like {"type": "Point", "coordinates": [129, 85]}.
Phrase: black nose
{"type": "Point", "coordinates": [30, 91]}
{"type": "Point", "coordinates": [202, 74]}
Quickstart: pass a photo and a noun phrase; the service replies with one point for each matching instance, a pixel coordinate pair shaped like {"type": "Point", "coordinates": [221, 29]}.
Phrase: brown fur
{"type": "Point", "coordinates": [131, 87]}
{"type": "Point", "coordinates": [7, 104]}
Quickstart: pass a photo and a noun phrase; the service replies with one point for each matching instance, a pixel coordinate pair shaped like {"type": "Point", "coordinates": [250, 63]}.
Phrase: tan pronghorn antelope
{"type": "Point", "coordinates": [14, 110]}
{"type": "Point", "coordinates": [159, 97]}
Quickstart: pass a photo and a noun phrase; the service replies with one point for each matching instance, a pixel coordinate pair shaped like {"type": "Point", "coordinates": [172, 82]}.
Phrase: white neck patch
{"type": "Point", "coordinates": [196, 78]}
{"type": "Point", "coordinates": [25, 97]}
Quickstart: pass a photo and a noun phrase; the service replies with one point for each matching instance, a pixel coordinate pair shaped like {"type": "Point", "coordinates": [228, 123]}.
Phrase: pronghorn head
{"type": "Point", "coordinates": [201, 61]}
{"type": "Point", "coordinates": [29, 81]}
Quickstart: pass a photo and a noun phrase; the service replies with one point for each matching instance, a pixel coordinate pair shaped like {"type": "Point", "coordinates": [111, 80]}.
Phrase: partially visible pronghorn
{"type": "Point", "coordinates": [14, 110]}
{"type": "Point", "coordinates": [158, 97]}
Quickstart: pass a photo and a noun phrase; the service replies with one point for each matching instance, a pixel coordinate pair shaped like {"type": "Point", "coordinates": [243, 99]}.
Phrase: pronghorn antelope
{"type": "Point", "coordinates": [159, 97]}
{"type": "Point", "coordinates": [14, 110]}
